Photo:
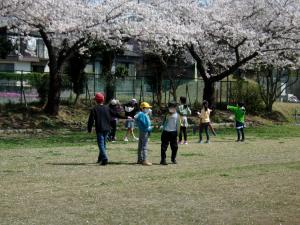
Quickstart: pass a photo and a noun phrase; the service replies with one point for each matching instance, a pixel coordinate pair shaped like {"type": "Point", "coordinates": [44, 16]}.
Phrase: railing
{"type": "Point", "coordinates": [22, 87]}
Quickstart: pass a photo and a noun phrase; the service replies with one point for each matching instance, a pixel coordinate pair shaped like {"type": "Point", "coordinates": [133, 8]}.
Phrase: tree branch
{"type": "Point", "coordinates": [200, 63]}
{"type": "Point", "coordinates": [233, 68]}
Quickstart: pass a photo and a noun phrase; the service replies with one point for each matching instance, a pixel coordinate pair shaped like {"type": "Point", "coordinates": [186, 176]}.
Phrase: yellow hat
{"type": "Point", "coordinates": [145, 105]}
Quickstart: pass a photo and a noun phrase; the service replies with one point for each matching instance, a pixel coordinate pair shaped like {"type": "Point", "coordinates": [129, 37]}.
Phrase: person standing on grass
{"type": "Point", "coordinates": [239, 114]}
{"type": "Point", "coordinates": [101, 116]}
{"type": "Point", "coordinates": [169, 134]}
{"type": "Point", "coordinates": [115, 109]}
{"type": "Point", "coordinates": [184, 111]}
{"type": "Point", "coordinates": [144, 124]}
{"type": "Point", "coordinates": [204, 121]}
{"type": "Point", "coordinates": [131, 109]}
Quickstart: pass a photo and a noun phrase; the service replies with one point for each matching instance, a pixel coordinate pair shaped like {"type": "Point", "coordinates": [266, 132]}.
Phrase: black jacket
{"type": "Point", "coordinates": [102, 116]}
{"type": "Point", "coordinates": [133, 112]}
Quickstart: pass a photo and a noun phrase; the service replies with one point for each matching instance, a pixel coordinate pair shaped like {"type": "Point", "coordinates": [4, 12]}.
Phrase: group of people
{"type": "Point", "coordinates": [174, 124]}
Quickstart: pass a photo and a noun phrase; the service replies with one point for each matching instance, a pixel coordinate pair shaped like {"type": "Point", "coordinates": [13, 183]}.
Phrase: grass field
{"type": "Point", "coordinates": [53, 179]}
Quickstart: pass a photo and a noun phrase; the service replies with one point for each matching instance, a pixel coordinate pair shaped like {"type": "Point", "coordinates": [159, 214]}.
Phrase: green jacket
{"type": "Point", "coordinates": [239, 113]}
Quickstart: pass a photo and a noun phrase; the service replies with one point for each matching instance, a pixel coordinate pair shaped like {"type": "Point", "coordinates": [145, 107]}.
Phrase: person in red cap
{"type": "Point", "coordinates": [101, 115]}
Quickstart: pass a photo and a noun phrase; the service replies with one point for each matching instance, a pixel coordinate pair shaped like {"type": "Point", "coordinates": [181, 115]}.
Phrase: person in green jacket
{"type": "Point", "coordinates": [239, 114]}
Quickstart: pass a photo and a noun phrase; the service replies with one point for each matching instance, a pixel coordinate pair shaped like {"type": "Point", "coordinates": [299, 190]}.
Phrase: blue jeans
{"type": "Point", "coordinates": [205, 127]}
{"type": "Point", "coordinates": [101, 139]}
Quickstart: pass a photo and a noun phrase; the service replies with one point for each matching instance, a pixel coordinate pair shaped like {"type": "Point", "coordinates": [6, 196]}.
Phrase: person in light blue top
{"type": "Point", "coordinates": [144, 124]}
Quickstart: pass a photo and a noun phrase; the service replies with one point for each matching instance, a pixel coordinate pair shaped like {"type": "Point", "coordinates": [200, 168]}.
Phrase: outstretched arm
{"type": "Point", "coordinates": [232, 108]}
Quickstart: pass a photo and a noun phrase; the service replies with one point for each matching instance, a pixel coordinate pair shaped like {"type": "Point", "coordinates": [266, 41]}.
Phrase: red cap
{"type": "Point", "coordinates": [99, 97]}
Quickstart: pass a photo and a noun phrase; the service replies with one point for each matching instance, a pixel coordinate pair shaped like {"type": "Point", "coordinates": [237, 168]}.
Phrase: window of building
{"type": "Point", "coordinates": [40, 48]}
{"type": "Point", "coordinates": [7, 67]}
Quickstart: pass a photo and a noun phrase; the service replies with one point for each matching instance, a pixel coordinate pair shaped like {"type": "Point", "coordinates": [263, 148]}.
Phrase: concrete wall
{"type": "Point", "coordinates": [23, 66]}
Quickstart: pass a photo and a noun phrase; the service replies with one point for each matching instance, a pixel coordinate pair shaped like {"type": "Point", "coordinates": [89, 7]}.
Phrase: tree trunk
{"type": "Point", "coordinates": [52, 106]}
{"type": "Point", "coordinates": [110, 89]}
{"type": "Point", "coordinates": [159, 88]}
{"type": "Point", "coordinates": [270, 101]}
{"type": "Point", "coordinates": [173, 89]}
{"type": "Point", "coordinates": [76, 98]}
{"type": "Point", "coordinates": [209, 92]}
{"type": "Point", "coordinates": [107, 63]}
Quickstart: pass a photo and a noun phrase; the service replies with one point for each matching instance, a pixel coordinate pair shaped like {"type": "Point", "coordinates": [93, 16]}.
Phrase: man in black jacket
{"type": "Point", "coordinates": [101, 115]}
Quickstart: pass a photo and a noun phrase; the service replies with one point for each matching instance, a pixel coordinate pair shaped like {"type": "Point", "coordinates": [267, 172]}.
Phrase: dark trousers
{"type": "Point", "coordinates": [205, 127]}
{"type": "Point", "coordinates": [182, 130]}
{"type": "Point", "coordinates": [166, 138]}
{"type": "Point", "coordinates": [239, 133]}
{"type": "Point", "coordinates": [112, 133]}
{"type": "Point", "coordinates": [240, 130]}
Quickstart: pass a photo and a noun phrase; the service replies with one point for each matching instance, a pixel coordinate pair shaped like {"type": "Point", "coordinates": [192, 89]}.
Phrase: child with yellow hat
{"type": "Point", "coordinates": [144, 124]}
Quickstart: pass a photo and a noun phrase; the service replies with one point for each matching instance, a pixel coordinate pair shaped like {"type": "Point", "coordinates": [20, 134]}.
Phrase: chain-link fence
{"type": "Point", "coordinates": [25, 87]}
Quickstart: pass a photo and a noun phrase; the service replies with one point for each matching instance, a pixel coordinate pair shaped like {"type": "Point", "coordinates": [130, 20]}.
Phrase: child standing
{"type": "Point", "coordinates": [204, 121]}
{"type": "Point", "coordinates": [170, 126]}
{"type": "Point", "coordinates": [131, 109]}
{"type": "Point", "coordinates": [239, 114]}
{"type": "Point", "coordinates": [101, 115]}
{"type": "Point", "coordinates": [144, 125]}
{"type": "Point", "coordinates": [184, 111]}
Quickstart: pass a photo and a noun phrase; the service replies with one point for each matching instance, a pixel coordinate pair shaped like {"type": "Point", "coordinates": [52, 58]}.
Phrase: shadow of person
{"type": "Point", "coordinates": [90, 164]}
{"type": "Point", "coordinates": [71, 164]}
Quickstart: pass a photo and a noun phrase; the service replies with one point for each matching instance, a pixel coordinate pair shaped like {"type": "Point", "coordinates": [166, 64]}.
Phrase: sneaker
{"type": "Point", "coordinates": [146, 163]}
{"type": "Point", "coordinates": [164, 163]}
{"type": "Point", "coordinates": [139, 162]}
{"type": "Point", "coordinates": [200, 142]}
{"type": "Point", "coordinates": [179, 142]}
{"type": "Point", "coordinates": [185, 143]}
{"type": "Point", "coordinates": [238, 140]}
{"type": "Point", "coordinates": [126, 139]}
{"type": "Point", "coordinates": [135, 138]}
{"type": "Point", "coordinates": [207, 142]}
{"type": "Point", "coordinates": [174, 161]}
{"type": "Point", "coordinates": [104, 162]}
{"type": "Point", "coordinates": [99, 159]}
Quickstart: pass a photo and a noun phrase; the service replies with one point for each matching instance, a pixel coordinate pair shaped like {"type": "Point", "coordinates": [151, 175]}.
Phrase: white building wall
{"type": "Point", "coordinates": [23, 66]}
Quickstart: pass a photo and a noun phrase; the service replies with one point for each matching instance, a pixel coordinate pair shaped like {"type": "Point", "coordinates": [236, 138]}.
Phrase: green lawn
{"type": "Point", "coordinates": [67, 138]}
{"type": "Point", "coordinates": [53, 179]}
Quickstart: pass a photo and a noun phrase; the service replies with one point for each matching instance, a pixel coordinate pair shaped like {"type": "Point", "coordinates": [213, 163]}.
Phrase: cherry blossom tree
{"type": "Point", "coordinates": [65, 27]}
{"type": "Point", "coordinates": [225, 35]}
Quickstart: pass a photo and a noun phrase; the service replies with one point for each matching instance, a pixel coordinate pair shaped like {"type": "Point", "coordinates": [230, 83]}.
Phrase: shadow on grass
{"type": "Point", "coordinates": [91, 164]}
{"type": "Point", "coordinates": [121, 163]}
{"type": "Point", "coordinates": [71, 164]}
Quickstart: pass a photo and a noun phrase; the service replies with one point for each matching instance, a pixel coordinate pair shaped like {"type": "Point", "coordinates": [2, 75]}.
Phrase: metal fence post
{"type": "Point", "coordinates": [133, 88]}
{"type": "Point", "coordinates": [94, 83]}
{"type": "Point", "coordinates": [227, 90]}
{"type": "Point", "coordinates": [21, 91]}
{"type": "Point", "coordinates": [221, 92]}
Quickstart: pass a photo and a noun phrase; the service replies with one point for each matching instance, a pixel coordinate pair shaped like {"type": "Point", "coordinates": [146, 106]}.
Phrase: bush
{"type": "Point", "coordinates": [248, 92]}
{"type": "Point", "coordinates": [41, 83]}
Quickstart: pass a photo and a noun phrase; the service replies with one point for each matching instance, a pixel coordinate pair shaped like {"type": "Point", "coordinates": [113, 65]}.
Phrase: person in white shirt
{"type": "Point", "coordinates": [184, 112]}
